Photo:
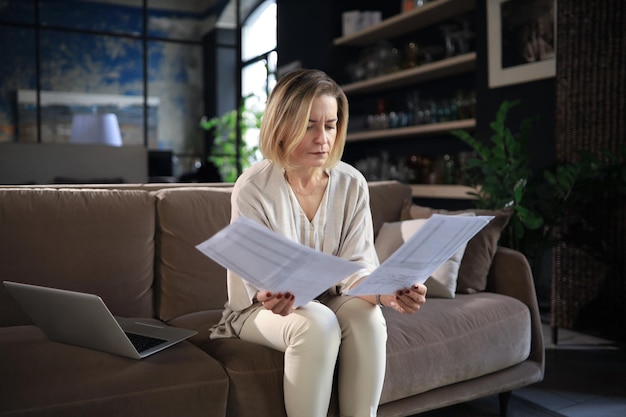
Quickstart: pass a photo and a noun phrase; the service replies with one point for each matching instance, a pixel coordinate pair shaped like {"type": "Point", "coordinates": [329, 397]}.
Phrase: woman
{"type": "Point", "coordinates": [303, 191]}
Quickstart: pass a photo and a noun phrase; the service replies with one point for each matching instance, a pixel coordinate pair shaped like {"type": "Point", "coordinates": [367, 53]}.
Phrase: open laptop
{"type": "Point", "coordinates": [84, 320]}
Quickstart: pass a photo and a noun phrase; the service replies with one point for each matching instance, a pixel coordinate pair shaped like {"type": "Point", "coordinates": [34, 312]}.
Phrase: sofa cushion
{"type": "Point", "coordinates": [97, 241]}
{"type": "Point", "coordinates": [448, 341]}
{"type": "Point", "coordinates": [480, 249]}
{"type": "Point", "coordinates": [200, 321]}
{"type": "Point", "coordinates": [188, 280]}
{"type": "Point", "coordinates": [256, 377]}
{"type": "Point", "coordinates": [55, 379]}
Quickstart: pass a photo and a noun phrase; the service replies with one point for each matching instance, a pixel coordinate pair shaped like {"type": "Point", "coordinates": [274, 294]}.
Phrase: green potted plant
{"type": "Point", "coordinates": [556, 199]}
{"type": "Point", "coordinates": [500, 173]}
{"type": "Point", "coordinates": [224, 149]}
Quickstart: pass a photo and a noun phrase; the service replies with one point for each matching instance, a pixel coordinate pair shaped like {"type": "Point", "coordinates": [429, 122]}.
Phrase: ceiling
{"type": "Point", "coordinates": [224, 9]}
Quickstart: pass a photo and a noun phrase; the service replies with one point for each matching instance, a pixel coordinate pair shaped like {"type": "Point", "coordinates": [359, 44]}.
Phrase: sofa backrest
{"type": "Point", "coordinates": [187, 280]}
{"type": "Point", "coordinates": [133, 247]}
{"type": "Point", "coordinates": [97, 241]}
{"type": "Point", "coordinates": [387, 200]}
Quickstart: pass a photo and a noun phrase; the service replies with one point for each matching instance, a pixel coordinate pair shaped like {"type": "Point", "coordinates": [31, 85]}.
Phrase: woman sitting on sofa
{"type": "Point", "coordinates": [303, 191]}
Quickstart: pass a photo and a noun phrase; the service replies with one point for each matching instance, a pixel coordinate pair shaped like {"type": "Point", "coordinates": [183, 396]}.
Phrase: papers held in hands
{"type": "Point", "coordinates": [270, 261]}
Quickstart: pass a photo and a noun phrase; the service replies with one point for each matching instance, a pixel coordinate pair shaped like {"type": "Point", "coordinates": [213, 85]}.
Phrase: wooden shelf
{"type": "Point", "coordinates": [400, 24]}
{"type": "Point", "coordinates": [455, 192]}
{"type": "Point", "coordinates": [419, 130]}
{"type": "Point", "coordinates": [445, 68]}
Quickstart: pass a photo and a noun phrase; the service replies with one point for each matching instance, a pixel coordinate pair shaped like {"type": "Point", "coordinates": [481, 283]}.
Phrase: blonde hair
{"type": "Point", "coordinates": [287, 114]}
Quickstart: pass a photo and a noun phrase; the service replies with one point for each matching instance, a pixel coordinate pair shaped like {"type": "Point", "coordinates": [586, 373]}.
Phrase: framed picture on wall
{"type": "Point", "coordinates": [521, 41]}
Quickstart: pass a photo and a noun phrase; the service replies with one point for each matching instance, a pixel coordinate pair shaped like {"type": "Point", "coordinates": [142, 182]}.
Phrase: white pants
{"type": "Point", "coordinates": [346, 330]}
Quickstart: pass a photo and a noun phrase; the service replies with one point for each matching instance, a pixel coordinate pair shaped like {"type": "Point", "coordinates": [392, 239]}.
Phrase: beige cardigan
{"type": "Point", "coordinates": [343, 227]}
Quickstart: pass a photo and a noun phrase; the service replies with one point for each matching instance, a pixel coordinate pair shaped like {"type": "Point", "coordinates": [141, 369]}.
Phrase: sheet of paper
{"type": "Point", "coordinates": [434, 243]}
{"type": "Point", "coordinates": [271, 261]}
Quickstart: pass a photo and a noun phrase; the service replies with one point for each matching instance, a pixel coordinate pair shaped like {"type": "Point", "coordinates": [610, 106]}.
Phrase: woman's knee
{"type": "Point", "coordinates": [319, 327]}
{"type": "Point", "coordinates": [361, 316]}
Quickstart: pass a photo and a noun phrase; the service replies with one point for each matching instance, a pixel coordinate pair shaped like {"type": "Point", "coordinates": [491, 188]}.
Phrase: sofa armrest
{"type": "Point", "coordinates": [510, 274]}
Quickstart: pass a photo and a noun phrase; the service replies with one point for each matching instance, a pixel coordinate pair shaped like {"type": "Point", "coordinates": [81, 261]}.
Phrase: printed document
{"type": "Point", "coordinates": [413, 262]}
{"type": "Point", "coordinates": [270, 261]}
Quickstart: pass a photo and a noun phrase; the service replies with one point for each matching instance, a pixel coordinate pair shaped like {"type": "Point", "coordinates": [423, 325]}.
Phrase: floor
{"type": "Point", "coordinates": [585, 377]}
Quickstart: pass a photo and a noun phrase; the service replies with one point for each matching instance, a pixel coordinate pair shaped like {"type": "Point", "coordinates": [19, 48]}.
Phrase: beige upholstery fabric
{"type": "Point", "coordinates": [452, 341]}
{"type": "Point", "coordinates": [53, 379]}
{"type": "Point", "coordinates": [510, 275]}
{"type": "Point", "coordinates": [387, 200]}
{"type": "Point", "coordinates": [256, 377]}
{"type": "Point", "coordinates": [98, 241]}
{"type": "Point", "coordinates": [188, 280]}
{"type": "Point", "coordinates": [200, 321]}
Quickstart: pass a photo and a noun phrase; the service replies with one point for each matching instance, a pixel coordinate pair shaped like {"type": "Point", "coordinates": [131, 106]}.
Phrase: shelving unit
{"type": "Point", "coordinates": [452, 192]}
{"type": "Point", "coordinates": [410, 131]}
{"type": "Point", "coordinates": [429, 15]}
{"type": "Point", "coordinates": [403, 23]}
{"type": "Point", "coordinates": [440, 69]}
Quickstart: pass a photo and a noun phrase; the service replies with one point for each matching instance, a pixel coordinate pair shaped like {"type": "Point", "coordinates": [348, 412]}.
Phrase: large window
{"type": "Point", "coordinates": [66, 57]}
{"type": "Point", "coordinates": [143, 60]}
{"type": "Point", "coordinates": [259, 61]}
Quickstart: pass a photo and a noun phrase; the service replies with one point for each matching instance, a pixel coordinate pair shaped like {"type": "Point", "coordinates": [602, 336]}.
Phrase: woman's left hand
{"type": "Point", "coordinates": [409, 300]}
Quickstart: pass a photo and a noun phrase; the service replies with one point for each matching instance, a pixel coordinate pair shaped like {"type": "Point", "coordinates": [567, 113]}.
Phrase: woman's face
{"type": "Point", "coordinates": [320, 134]}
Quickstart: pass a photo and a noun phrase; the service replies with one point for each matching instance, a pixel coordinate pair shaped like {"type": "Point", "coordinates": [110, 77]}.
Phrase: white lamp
{"type": "Point", "coordinates": [96, 129]}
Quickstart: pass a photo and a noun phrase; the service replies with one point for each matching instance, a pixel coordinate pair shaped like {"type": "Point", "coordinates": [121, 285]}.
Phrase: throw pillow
{"type": "Point", "coordinates": [442, 283]}
{"type": "Point", "coordinates": [480, 249]}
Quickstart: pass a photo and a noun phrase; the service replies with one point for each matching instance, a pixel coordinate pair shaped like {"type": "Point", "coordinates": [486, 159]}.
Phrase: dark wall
{"type": "Point", "coordinates": [537, 98]}
{"type": "Point", "coordinates": [306, 29]}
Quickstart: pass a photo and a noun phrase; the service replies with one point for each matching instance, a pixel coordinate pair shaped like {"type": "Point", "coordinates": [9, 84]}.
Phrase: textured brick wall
{"type": "Point", "coordinates": [589, 281]}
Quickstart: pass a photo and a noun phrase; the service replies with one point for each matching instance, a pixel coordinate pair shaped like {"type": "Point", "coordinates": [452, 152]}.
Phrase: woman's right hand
{"type": "Point", "coordinates": [278, 303]}
{"type": "Point", "coordinates": [407, 300]}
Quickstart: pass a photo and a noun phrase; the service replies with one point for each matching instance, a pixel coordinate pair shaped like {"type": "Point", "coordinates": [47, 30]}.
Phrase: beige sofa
{"type": "Point", "coordinates": [134, 246]}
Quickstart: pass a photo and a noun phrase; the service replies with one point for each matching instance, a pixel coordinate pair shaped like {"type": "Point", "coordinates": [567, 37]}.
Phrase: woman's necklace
{"type": "Point", "coordinates": [302, 192]}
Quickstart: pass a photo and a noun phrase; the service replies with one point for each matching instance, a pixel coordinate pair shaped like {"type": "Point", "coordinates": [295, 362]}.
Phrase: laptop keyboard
{"type": "Point", "coordinates": [142, 342]}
